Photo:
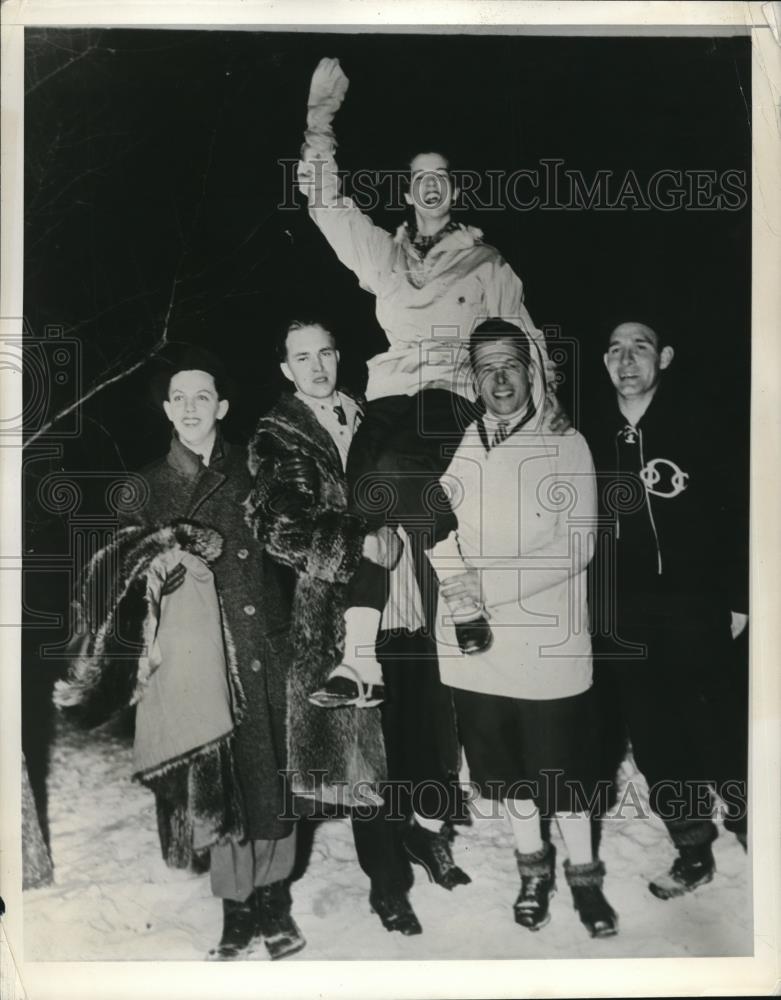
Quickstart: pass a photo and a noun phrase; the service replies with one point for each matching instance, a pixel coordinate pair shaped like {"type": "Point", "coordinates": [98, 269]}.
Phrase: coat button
{"type": "Point", "coordinates": [255, 666]}
{"type": "Point", "coordinates": [249, 609]}
{"type": "Point", "coordinates": [242, 553]}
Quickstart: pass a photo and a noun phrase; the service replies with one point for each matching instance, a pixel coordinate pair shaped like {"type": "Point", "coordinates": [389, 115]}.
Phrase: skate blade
{"type": "Point", "coordinates": [324, 700]}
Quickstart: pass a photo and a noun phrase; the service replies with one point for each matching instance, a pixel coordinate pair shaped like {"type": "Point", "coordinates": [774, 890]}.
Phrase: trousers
{"type": "Point", "coordinates": [685, 705]}
{"type": "Point", "coordinates": [401, 449]}
{"type": "Point", "coordinates": [236, 869]}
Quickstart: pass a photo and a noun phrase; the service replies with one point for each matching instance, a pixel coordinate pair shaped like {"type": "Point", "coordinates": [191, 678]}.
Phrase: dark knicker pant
{"type": "Point", "coordinates": [400, 450]}
{"type": "Point", "coordinates": [419, 729]}
{"type": "Point", "coordinates": [377, 834]}
{"type": "Point", "coordinates": [543, 750]}
{"type": "Point", "coordinates": [685, 703]}
{"type": "Point", "coordinates": [402, 447]}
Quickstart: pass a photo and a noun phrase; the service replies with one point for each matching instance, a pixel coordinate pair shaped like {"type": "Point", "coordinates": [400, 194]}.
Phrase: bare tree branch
{"type": "Point", "coordinates": [103, 383]}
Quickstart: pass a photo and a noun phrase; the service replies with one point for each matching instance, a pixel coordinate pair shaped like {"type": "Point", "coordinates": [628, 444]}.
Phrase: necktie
{"type": "Point", "coordinates": [500, 433]}
{"type": "Point", "coordinates": [340, 415]}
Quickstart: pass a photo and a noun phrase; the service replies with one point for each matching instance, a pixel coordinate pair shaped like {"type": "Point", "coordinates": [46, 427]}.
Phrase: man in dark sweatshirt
{"type": "Point", "coordinates": [670, 597]}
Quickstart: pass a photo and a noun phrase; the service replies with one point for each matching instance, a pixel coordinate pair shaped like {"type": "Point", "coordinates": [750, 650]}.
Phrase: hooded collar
{"type": "Point", "coordinates": [487, 425]}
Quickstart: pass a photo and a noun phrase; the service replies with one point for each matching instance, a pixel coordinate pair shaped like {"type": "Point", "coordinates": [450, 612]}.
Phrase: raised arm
{"type": "Point", "coordinates": [360, 245]}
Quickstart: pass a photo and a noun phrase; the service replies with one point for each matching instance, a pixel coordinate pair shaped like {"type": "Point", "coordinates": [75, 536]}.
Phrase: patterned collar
{"type": "Point", "coordinates": [424, 243]}
{"type": "Point", "coordinates": [494, 423]}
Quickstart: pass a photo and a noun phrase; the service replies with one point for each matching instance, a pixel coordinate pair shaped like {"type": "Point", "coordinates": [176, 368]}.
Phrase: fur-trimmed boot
{"type": "Point", "coordinates": [538, 884]}
{"type": "Point", "coordinates": [694, 865]}
{"type": "Point", "coordinates": [596, 914]}
{"type": "Point", "coordinates": [281, 934]}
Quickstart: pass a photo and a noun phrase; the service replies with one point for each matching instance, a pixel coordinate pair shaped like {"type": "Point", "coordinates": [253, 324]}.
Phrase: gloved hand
{"type": "Point", "coordinates": [299, 473]}
{"type": "Point", "coordinates": [383, 547]}
{"type": "Point", "coordinates": [326, 94]}
{"type": "Point", "coordinates": [738, 622]}
{"type": "Point", "coordinates": [174, 580]}
{"type": "Point", "coordinates": [326, 91]}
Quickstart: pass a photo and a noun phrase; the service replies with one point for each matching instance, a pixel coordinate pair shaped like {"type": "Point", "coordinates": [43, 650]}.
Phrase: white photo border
{"type": "Point", "coordinates": [758, 975]}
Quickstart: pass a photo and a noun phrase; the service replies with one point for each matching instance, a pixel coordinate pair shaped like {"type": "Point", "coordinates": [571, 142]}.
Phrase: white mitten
{"type": "Point", "coordinates": [326, 94]}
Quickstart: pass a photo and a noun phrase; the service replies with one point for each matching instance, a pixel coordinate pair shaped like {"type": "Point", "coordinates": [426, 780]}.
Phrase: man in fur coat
{"type": "Point", "coordinates": [195, 491]}
{"type": "Point", "coordinates": [298, 509]}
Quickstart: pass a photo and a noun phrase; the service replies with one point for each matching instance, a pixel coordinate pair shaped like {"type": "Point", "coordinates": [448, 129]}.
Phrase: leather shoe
{"type": "Point", "coordinates": [239, 928]}
{"type": "Point", "coordinates": [394, 910]}
{"type": "Point", "coordinates": [432, 851]}
{"type": "Point", "coordinates": [281, 934]}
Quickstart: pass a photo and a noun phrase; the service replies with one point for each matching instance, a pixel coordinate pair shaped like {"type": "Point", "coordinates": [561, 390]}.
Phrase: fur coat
{"type": "Point", "coordinates": [197, 795]}
{"type": "Point", "coordinates": [255, 603]}
{"type": "Point", "coordinates": [334, 755]}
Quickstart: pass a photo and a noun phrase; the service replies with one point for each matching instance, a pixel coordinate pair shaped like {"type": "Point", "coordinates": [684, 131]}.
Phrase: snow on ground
{"type": "Point", "coordinates": [114, 898]}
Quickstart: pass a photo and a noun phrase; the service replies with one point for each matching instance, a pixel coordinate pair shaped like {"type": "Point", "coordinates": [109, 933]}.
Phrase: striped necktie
{"type": "Point", "coordinates": [501, 433]}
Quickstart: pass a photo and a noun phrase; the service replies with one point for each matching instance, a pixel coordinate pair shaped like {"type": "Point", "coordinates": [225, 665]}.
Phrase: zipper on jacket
{"type": "Point", "coordinates": [650, 511]}
{"type": "Point", "coordinates": [618, 466]}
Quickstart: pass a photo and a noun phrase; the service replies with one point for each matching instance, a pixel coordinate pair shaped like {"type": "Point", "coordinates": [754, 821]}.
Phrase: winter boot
{"type": "Point", "coordinates": [394, 910]}
{"type": "Point", "coordinates": [432, 850]}
{"type": "Point", "coordinates": [596, 914]}
{"type": "Point", "coordinates": [281, 934]}
{"type": "Point", "coordinates": [538, 884]}
{"type": "Point", "coordinates": [693, 867]}
{"type": "Point", "coordinates": [239, 928]}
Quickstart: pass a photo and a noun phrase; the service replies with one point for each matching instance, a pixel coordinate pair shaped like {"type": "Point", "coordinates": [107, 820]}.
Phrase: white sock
{"type": "Point", "coordinates": [434, 825]}
{"type": "Point", "coordinates": [575, 830]}
{"type": "Point", "coordinates": [524, 820]}
{"type": "Point", "coordinates": [361, 628]}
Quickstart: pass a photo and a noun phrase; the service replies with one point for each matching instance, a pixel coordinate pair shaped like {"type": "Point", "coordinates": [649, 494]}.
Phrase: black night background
{"type": "Point", "coordinates": [152, 190]}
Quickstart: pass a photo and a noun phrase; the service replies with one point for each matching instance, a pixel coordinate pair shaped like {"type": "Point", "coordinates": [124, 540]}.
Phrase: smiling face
{"type": "Point", "coordinates": [312, 361]}
{"type": "Point", "coordinates": [633, 361]}
{"type": "Point", "coordinates": [431, 192]}
{"type": "Point", "coordinates": [194, 407]}
{"type": "Point", "coordinates": [502, 376]}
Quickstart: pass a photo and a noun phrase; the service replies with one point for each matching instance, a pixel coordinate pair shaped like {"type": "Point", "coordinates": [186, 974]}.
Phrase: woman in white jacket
{"type": "Point", "coordinates": [432, 282]}
{"type": "Point", "coordinates": [526, 507]}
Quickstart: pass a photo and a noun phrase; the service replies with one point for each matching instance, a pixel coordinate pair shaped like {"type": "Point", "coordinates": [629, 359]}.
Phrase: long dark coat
{"type": "Point", "coordinates": [323, 543]}
{"type": "Point", "coordinates": [257, 608]}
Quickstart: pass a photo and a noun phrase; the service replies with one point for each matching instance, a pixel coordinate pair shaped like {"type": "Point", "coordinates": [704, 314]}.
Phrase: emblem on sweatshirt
{"type": "Point", "coordinates": [663, 471]}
